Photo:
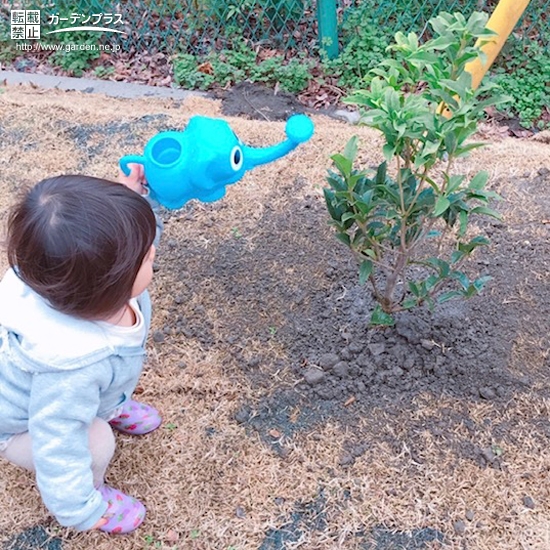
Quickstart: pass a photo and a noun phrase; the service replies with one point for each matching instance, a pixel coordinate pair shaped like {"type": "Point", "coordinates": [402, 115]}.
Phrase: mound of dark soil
{"type": "Point", "coordinates": [290, 303]}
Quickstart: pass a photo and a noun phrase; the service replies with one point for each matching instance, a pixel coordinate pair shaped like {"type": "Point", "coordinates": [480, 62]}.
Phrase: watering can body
{"type": "Point", "coordinates": [199, 162]}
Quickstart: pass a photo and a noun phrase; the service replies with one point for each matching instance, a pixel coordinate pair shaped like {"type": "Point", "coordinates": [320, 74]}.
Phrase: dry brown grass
{"type": "Point", "coordinates": [207, 483]}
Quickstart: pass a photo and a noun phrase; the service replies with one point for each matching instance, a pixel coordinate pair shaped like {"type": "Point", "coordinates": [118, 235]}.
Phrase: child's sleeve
{"type": "Point", "coordinates": [62, 408]}
{"type": "Point", "coordinates": [156, 210]}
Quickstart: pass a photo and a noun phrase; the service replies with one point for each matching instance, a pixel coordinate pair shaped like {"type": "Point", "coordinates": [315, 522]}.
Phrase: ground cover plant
{"type": "Point", "coordinates": [523, 72]}
{"type": "Point", "coordinates": [287, 423]}
{"type": "Point", "coordinates": [423, 103]}
{"type": "Point", "coordinates": [240, 63]}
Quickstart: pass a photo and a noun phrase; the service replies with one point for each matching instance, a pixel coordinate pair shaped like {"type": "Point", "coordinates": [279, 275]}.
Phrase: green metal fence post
{"type": "Point", "coordinates": [328, 27]}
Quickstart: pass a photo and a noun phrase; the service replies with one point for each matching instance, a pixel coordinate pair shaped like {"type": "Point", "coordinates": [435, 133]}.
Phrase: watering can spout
{"type": "Point", "coordinates": [298, 129]}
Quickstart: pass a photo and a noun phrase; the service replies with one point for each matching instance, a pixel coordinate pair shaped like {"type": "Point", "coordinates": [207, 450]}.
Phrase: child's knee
{"type": "Point", "coordinates": [102, 442]}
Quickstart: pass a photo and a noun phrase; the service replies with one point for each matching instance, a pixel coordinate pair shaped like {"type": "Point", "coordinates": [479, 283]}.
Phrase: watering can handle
{"type": "Point", "coordinates": [127, 159]}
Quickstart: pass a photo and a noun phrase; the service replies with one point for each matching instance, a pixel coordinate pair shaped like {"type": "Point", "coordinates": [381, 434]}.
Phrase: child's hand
{"type": "Point", "coordinates": [136, 180]}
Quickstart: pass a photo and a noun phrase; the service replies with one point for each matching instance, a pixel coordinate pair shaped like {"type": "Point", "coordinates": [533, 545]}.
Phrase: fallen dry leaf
{"type": "Point", "coordinates": [349, 401]}
{"type": "Point", "coordinates": [206, 68]}
{"type": "Point", "coordinates": [171, 536]}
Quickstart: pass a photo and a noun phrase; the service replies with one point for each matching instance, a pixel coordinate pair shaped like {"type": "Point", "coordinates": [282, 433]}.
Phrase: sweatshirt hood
{"type": "Point", "coordinates": [46, 339]}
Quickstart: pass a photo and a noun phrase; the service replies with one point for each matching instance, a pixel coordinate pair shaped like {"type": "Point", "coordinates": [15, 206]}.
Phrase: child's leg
{"type": "Point", "coordinates": [124, 513]}
{"type": "Point", "coordinates": [102, 447]}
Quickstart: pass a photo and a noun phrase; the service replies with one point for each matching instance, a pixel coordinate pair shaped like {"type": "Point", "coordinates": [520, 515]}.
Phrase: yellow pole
{"type": "Point", "coordinates": [502, 21]}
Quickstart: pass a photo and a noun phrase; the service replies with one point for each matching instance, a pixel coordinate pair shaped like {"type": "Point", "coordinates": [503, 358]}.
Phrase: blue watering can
{"type": "Point", "coordinates": [199, 162]}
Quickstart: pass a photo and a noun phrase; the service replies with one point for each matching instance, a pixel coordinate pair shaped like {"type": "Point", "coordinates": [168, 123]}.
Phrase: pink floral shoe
{"type": "Point", "coordinates": [125, 513]}
{"type": "Point", "coordinates": [136, 418]}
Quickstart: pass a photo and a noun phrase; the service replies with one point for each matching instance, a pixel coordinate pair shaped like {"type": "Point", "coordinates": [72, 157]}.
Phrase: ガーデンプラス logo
{"type": "Point", "coordinates": [26, 24]}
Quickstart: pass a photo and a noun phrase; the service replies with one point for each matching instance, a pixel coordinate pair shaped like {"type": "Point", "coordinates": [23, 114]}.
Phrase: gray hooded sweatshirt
{"type": "Point", "coordinates": [57, 374]}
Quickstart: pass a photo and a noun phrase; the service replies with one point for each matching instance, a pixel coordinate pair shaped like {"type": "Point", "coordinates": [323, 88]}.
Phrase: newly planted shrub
{"type": "Point", "coordinates": [407, 222]}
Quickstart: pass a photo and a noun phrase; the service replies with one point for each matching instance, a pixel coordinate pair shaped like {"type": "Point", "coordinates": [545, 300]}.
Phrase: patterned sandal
{"type": "Point", "coordinates": [136, 418]}
{"type": "Point", "coordinates": [125, 514]}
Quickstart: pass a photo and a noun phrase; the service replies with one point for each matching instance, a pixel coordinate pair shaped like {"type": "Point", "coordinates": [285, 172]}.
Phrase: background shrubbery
{"type": "Point", "coordinates": [215, 44]}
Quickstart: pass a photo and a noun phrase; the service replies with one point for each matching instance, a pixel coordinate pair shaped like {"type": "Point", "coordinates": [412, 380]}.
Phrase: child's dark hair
{"type": "Point", "coordinates": [79, 242]}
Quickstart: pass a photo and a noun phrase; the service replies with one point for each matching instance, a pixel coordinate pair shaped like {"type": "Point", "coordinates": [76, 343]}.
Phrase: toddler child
{"type": "Point", "coordinates": [74, 318]}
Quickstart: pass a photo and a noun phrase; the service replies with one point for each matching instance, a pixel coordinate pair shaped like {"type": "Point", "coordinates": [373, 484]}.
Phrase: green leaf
{"type": "Point", "coordinates": [441, 205]}
{"type": "Point", "coordinates": [433, 184]}
{"type": "Point", "coordinates": [430, 147]}
{"type": "Point", "coordinates": [335, 209]}
{"type": "Point", "coordinates": [350, 151]}
{"type": "Point", "coordinates": [431, 281]}
{"type": "Point", "coordinates": [463, 219]}
{"type": "Point", "coordinates": [388, 151]}
{"type": "Point", "coordinates": [336, 181]}
{"type": "Point", "coordinates": [342, 163]}
{"type": "Point", "coordinates": [446, 296]}
{"type": "Point", "coordinates": [465, 149]}
{"type": "Point", "coordinates": [364, 271]}
{"type": "Point", "coordinates": [391, 99]}
{"type": "Point", "coordinates": [381, 318]}
{"type": "Point", "coordinates": [479, 181]}
{"type": "Point", "coordinates": [481, 282]}
{"type": "Point", "coordinates": [409, 303]}
{"type": "Point", "coordinates": [454, 183]}
{"type": "Point", "coordinates": [430, 302]}
{"type": "Point", "coordinates": [442, 42]}
{"type": "Point", "coordinates": [471, 291]}
{"type": "Point", "coordinates": [456, 256]}
{"type": "Point", "coordinates": [484, 210]}
{"type": "Point", "coordinates": [461, 278]}
{"type": "Point", "coordinates": [364, 202]}
{"type": "Point", "coordinates": [353, 179]}
{"type": "Point", "coordinates": [440, 265]}
{"type": "Point", "coordinates": [414, 288]}
{"type": "Point", "coordinates": [329, 200]}
{"type": "Point", "coordinates": [381, 171]}
{"type": "Point", "coordinates": [370, 252]}
{"type": "Point", "coordinates": [329, 195]}
{"type": "Point", "coordinates": [444, 268]}
{"type": "Point", "coordinates": [451, 142]}
{"type": "Point", "coordinates": [455, 86]}
{"type": "Point", "coordinates": [480, 240]}
{"type": "Point", "coordinates": [344, 237]}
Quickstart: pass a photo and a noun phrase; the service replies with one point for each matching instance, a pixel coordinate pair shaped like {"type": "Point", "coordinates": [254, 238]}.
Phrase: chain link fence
{"type": "Point", "coordinates": [292, 26]}
{"type": "Point", "coordinates": [413, 15]}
